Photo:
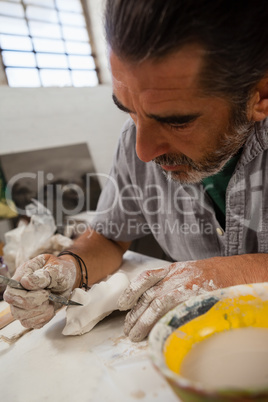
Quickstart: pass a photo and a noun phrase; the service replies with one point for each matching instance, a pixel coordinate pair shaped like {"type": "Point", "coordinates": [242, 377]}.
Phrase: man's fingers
{"type": "Point", "coordinates": [142, 304]}
{"type": "Point", "coordinates": [133, 315]}
{"type": "Point", "coordinates": [40, 320]}
{"type": "Point", "coordinates": [62, 275]}
{"type": "Point", "coordinates": [158, 307]}
{"type": "Point", "coordinates": [32, 274]}
{"type": "Point", "coordinates": [34, 318]}
{"type": "Point", "coordinates": [45, 311]}
{"type": "Point", "coordinates": [24, 299]}
{"type": "Point", "coordinates": [41, 273]}
{"type": "Point", "coordinates": [139, 285]}
{"type": "Point", "coordinates": [30, 266]}
{"type": "Point", "coordinates": [31, 305]}
{"type": "Point", "coordinates": [22, 314]}
{"type": "Point", "coordinates": [38, 279]}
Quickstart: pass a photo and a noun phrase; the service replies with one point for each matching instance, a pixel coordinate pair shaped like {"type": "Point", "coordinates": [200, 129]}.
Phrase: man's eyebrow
{"type": "Point", "coordinates": [172, 119]}
{"type": "Point", "coordinates": [120, 106]}
{"type": "Point", "coordinates": [175, 118]}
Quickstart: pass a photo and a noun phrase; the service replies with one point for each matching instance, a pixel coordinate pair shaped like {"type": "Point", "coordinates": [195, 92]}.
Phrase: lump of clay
{"type": "Point", "coordinates": [98, 302]}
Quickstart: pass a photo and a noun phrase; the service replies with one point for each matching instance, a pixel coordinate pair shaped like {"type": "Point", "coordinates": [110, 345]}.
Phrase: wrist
{"type": "Point", "coordinates": [81, 280]}
{"type": "Point", "coordinates": [78, 276]}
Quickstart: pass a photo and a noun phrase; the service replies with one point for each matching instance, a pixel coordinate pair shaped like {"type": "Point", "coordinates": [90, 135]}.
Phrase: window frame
{"type": "Point", "coordinates": [71, 70]}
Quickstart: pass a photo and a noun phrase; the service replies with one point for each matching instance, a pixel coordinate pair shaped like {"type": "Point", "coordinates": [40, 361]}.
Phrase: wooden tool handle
{"type": "Point", "coordinates": [6, 317]}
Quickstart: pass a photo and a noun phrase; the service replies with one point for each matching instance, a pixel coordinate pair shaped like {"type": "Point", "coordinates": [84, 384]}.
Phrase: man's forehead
{"type": "Point", "coordinates": [174, 72]}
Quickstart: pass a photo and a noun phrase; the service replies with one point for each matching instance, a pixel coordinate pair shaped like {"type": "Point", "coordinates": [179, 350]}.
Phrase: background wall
{"type": "Point", "coordinates": [36, 118]}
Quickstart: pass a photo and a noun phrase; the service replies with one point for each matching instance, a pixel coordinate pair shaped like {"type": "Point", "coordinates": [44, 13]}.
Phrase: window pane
{"type": "Point", "coordinates": [15, 10]}
{"type": "Point", "coordinates": [72, 19]}
{"type": "Point", "coordinates": [75, 33]}
{"type": "Point", "coordinates": [13, 26]}
{"type": "Point", "coordinates": [69, 5]}
{"type": "Point", "coordinates": [43, 14]}
{"type": "Point", "coordinates": [84, 78]}
{"type": "Point", "coordinates": [12, 42]}
{"type": "Point", "coordinates": [57, 78]}
{"type": "Point", "coordinates": [46, 3]}
{"type": "Point", "coordinates": [83, 62]}
{"type": "Point", "coordinates": [45, 30]}
{"type": "Point", "coordinates": [48, 45]}
{"type": "Point", "coordinates": [23, 77]}
{"type": "Point", "coordinates": [78, 47]}
{"type": "Point", "coordinates": [20, 59]}
{"type": "Point", "coordinates": [52, 60]}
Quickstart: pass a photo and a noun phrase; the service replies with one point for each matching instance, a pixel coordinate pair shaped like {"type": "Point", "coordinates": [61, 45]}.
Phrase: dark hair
{"type": "Point", "coordinates": [233, 33]}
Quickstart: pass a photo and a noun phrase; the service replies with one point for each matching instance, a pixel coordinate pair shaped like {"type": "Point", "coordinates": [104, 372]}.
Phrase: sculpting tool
{"type": "Point", "coordinates": [55, 298]}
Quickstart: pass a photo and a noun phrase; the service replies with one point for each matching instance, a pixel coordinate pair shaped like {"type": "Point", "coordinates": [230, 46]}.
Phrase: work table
{"type": "Point", "coordinates": [102, 365]}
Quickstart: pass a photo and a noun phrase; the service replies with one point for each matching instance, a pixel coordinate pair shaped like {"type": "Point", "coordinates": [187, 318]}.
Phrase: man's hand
{"type": "Point", "coordinates": [155, 292]}
{"type": "Point", "coordinates": [39, 276]}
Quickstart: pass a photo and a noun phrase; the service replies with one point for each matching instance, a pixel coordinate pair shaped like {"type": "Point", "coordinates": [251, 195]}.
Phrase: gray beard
{"type": "Point", "coordinates": [212, 162]}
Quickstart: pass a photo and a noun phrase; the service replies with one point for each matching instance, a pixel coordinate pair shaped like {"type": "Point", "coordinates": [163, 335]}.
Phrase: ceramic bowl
{"type": "Point", "coordinates": [191, 323]}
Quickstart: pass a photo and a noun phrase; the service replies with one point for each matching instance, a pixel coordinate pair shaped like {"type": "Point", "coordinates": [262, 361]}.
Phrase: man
{"type": "Point", "coordinates": [193, 76]}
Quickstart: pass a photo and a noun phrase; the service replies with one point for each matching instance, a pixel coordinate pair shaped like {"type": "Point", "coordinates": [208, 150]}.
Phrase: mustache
{"type": "Point", "coordinates": [176, 159]}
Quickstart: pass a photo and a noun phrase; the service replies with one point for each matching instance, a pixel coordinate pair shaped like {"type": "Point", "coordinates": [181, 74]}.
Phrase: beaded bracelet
{"type": "Point", "coordinates": [80, 262]}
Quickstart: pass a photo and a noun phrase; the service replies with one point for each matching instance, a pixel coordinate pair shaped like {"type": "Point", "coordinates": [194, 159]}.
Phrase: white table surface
{"type": "Point", "coordinates": [100, 366]}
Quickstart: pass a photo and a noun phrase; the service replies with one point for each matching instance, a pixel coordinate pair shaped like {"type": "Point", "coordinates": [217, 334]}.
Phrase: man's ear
{"type": "Point", "coordinates": [258, 104]}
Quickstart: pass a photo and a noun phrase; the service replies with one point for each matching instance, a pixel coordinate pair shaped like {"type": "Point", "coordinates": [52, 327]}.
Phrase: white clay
{"type": "Point", "coordinates": [98, 302]}
{"type": "Point", "coordinates": [103, 297]}
{"type": "Point", "coordinates": [231, 359]}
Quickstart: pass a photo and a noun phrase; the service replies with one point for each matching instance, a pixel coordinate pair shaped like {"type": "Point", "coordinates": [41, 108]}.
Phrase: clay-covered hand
{"type": "Point", "coordinates": [40, 276]}
{"type": "Point", "coordinates": [155, 292]}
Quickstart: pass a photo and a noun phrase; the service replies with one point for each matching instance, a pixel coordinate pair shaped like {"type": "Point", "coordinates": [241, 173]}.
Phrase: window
{"type": "Point", "coordinates": [46, 43]}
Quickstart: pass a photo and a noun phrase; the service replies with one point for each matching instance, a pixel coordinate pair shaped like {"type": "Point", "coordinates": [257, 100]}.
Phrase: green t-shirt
{"type": "Point", "coordinates": [216, 186]}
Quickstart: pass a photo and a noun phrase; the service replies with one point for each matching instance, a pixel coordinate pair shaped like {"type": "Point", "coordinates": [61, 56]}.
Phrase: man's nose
{"type": "Point", "coordinates": [150, 141]}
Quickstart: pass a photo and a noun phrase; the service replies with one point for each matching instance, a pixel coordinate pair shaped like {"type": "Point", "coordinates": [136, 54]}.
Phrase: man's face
{"type": "Point", "coordinates": [190, 135]}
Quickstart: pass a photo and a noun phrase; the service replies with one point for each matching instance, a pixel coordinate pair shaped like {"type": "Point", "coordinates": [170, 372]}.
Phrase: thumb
{"type": "Point", "coordinates": [32, 274]}
{"type": "Point", "coordinates": [61, 273]}
{"type": "Point", "coordinates": [139, 285]}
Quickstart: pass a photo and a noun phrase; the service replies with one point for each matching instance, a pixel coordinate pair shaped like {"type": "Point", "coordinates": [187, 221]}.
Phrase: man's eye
{"type": "Point", "coordinates": [178, 126]}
